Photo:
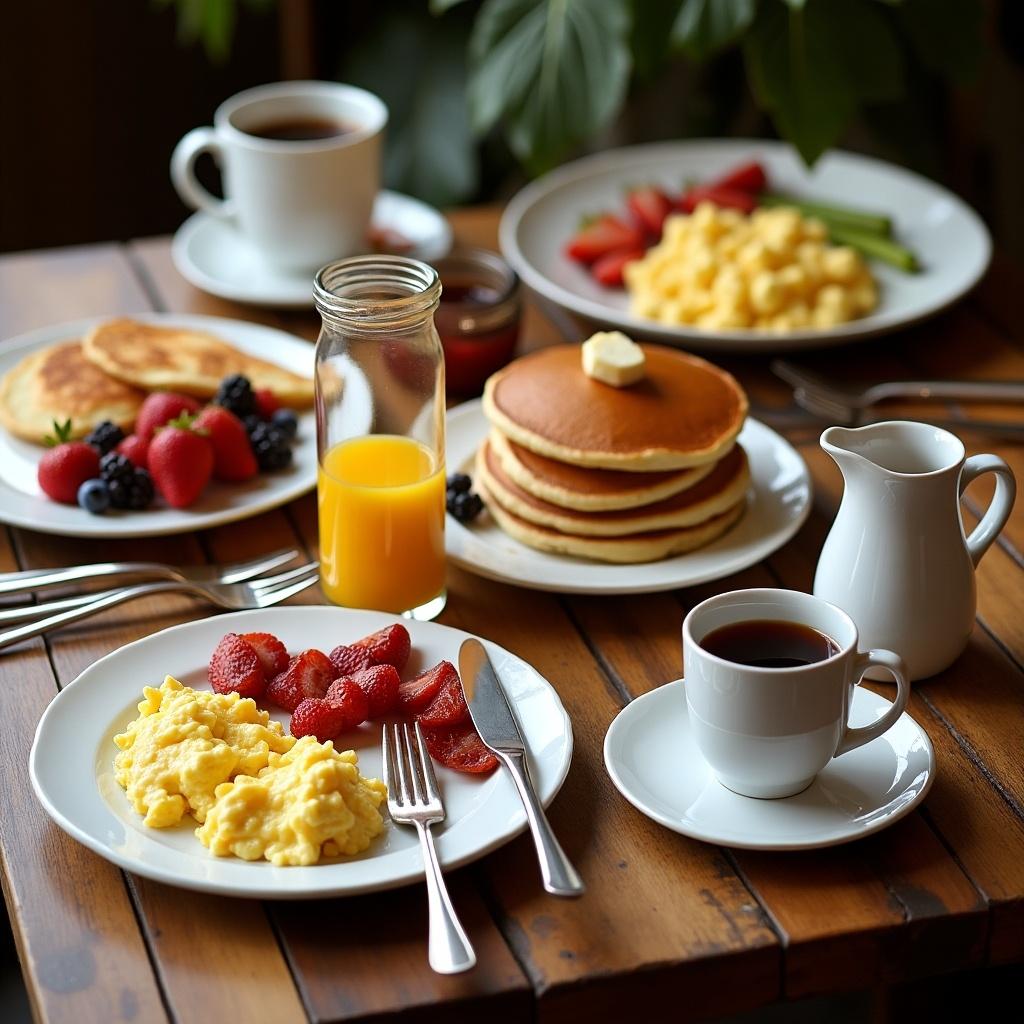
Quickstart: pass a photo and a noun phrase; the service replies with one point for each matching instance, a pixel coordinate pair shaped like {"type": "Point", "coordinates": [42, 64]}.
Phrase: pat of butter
{"type": "Point", "coordinates": [612, 358]}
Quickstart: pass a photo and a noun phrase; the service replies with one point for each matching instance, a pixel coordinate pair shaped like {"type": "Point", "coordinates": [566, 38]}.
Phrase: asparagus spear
{"type": "Point", "coordinates": [857, 220]}
{"type": "Point", "coordinates": [876, 246]}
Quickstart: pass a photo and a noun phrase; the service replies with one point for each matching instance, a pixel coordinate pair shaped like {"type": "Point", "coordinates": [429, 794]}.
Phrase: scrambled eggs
{"type": "Point", "coordinates": [771, 270]}
{"type": "Point", "coordinates": [308, 800]}
{"type": "Point", "coordinates": [185, 743]}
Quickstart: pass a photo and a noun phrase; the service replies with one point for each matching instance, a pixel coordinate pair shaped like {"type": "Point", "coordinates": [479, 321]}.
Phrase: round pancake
{"type": "Point", "coordinates": [722, 488]}
{"type": "Point", "coordinates": [639, 547]}
{"type": "Point", "coordinates": [59, 383]}
{"type": "Point", "coordinates": [685, 412]}
{"type": "Point", "coordinates": [588, 488]}
{"type": "Point", "coordinates": [178, 359]}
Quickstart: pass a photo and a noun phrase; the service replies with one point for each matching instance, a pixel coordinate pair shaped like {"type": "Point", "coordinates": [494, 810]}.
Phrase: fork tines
{"type": "Point", "coordinates": [407, 762]}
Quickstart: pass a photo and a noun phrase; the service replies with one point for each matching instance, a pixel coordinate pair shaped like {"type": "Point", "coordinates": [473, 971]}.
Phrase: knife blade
{"type": "Point", "coordinates": [496, 723]}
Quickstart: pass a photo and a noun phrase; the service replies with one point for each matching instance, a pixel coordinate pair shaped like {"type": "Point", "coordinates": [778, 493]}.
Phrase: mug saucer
{"type": "Point", "coordinates": [651, 756]}
{"type": "Point", "coordinates": [216, 257]}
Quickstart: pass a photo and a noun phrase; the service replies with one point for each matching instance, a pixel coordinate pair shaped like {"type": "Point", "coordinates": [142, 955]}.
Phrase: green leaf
{"type": "Point", "coordinates": [813, 68]}
{"type": "Point", "coordinates": [429, 151]}
{"type": "Point", "coordinates": [650, 38]}
{"type": "Point", "coordinates": [946, 37]}
{"type": "Point", "coordinates": [440, 6]}
{"type": "Point", "coordinates": [705, 26]}
{"type": "Point", "coordinates": [554, 71]}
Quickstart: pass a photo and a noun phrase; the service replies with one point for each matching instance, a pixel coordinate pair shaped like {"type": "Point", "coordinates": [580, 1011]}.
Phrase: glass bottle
{"type": "Point", "coordinates": [380, 435]}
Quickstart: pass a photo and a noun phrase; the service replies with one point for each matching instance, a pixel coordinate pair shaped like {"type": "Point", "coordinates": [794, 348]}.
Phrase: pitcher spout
{"type": "Point", "coordinates": [895, 448]}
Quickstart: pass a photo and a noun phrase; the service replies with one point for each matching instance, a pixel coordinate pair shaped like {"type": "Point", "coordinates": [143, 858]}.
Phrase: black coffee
{"type": "Point", "coordinates": [769, 643]}
{"type": "Point", "coordinates": [299, 129]}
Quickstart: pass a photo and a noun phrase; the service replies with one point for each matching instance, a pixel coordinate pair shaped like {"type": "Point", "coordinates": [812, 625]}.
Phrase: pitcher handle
{"type": "Point", "coordinates": [853, 738]}
{"type": "Point", "coordinates": [998, 511]}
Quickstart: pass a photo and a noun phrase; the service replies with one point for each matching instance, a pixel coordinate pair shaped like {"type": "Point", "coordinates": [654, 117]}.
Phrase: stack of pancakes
{"type": "Point", "coordinates": [630, 474]}
{"type": "Point", "coordinates": [106, 375]}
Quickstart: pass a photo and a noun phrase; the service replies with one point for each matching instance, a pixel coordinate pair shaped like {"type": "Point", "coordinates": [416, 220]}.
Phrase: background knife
{"type": "Point", "coordinates": [498, 728]}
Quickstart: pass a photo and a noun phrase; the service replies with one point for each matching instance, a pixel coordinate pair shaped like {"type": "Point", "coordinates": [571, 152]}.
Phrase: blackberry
{"type": "Point", "coordinates": [459, 483]}
{"type": "Point", "coordinates": [236, 395]}
{"type": "Point", "coordinates": [105, 437]}
{"type": "Point", "coordinates": [134, 492]}
{"type": "Point", "coordinates": [270, 446]}
{"type": "Point", "coordinates": [287, 422]}
{"type": "Point", "coordinates": [251, 422]}
{"type": "Point", "coordinates": [463, 505]}
{"type": "Point", "coordinates": [114, 466]}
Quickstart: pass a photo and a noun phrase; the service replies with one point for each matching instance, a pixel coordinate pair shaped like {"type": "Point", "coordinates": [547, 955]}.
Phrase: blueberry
{"type": "Point", "coordinates": [459, 483]}
{"type": "Point", "coordinates": [287, 422]}
{"type": "Point", "coordinates": [94, 496]}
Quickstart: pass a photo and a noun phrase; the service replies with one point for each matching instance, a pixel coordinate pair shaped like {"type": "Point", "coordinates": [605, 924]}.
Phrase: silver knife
{"type": "Point", "coordinates": [498, 728]}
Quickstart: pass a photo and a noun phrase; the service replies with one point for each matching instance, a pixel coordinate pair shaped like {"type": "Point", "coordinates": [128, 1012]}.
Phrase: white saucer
{"type": "Point", "coordinates": [653, 761]}
{"type": "Point", "coordinates": [214, 256]}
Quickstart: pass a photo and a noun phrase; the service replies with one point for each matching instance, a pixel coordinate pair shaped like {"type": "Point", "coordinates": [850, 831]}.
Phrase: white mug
{"type": "Point", "coordinates": [301, 203]}
{"type": "Point", "coordinates": [767, 732]}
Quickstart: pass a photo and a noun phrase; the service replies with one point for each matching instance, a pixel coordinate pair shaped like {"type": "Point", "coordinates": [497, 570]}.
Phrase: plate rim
{"type": "Point", "coordinates": [205, 884]}
{"type": "Point", "coordinates": [474, 407]}
{"type": "Point", "coordinates": [748, 341]}
{"type": "Point", "coordinates": [675, 826]}
{"type": "Point", "coordinates": [49, 334]}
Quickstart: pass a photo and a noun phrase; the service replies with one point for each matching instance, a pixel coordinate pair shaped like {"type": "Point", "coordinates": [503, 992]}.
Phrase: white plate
{"type": "Point", "coordinates": [652, 759]}
{"type": "Point", "coordinates": [71, 763]}
{"type": "Point", "coordinates": [949, 238]}
{"type": "Point", "coordinates": [22, 502]}
{"type": "Point", "coordinates": [779, 502]}
{"type": "Point", "coordinates": [214, 256]}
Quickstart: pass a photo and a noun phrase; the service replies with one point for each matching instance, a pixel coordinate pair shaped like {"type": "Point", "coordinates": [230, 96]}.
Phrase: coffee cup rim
{"type": "Point", "coordinates": [756, 593]}
{"type": "Point", "coordinates": [375, 123]}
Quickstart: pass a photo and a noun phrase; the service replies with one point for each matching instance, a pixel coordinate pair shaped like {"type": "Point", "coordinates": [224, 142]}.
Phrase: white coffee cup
{"type": "Point", "coordinates": [301, 203]}
{"type": "Point", "coordinates": [766, 732]}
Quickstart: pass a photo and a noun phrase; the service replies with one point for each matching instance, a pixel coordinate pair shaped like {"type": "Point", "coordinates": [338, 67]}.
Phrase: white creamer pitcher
{"type": "Point", "coordinates": [897, 560]}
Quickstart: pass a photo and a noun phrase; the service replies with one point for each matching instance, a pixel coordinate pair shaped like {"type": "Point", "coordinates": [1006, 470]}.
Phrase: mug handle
{"type": "Point", "coordinates": [853, 738]}
{"type": "Point", "coordinates": [998, 511]}
{"type": "Point", "coordinates": [183, 174]}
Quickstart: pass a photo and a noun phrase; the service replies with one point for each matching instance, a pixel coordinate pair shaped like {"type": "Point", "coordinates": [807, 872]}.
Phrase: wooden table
{"type": "Point", "coordinates": [666, 922]}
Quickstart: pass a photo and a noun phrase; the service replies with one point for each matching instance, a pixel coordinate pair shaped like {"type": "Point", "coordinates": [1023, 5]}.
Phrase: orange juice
{"type": "Point", "coordinates": [381, 503]}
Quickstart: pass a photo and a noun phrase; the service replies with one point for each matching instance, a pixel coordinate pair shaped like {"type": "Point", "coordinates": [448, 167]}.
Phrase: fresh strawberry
{"type": "Point", "coordinates": [318, 717]}
{"type": "Point", "coordinates": [267, 402]}
{"type": "Point", "coordinates": [347, 660]}
{"type": "Point", "coordinates": [388, 646]}
{"type": "Point", "coordinates": [749, 177]}
{"type": "Point", "coordinates": [236, 668]}
{"type": "Point", "coordinates": [135, 449]}
{"type": "Point", "coordinates": [233, 457]}
{"type": "Point", "coordinates": [730, 198]}
{"type": "Point", "coordinates": [308, 674]}
{"type": "Point", "coordinates": [649, 206]}
{"type": "Point", "coordinates": [67, 465]}
{"type": "Point", "coordinates": [348, 695]}
{"type": "Point", "coordinates": [415, 694]}
{"type": "Point", "coordinates": [448, 706]}
{"type": "Point", "coordinates": [602, 236]}
{"type": "Point", "coordinates": [270, 650]}
{"type": "Point", "coordinates": [608, 269]}
{"type": "Point", "coordinates": [161, 407]}
{"type": "Point", "coordinates": [180, 462]}
{"type": "Point", "coordinates": [460, 747]}
{"type": "Point", "coordinates": [380, 684]}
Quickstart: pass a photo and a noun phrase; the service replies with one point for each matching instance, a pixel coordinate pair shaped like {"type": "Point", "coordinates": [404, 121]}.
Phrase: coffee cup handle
{"type": "Point", "coordinates": [998, 511]}
{"type": "Point", "coordinates": [183, 174]}
{"type": "Point", "coordinates": [853, 738]}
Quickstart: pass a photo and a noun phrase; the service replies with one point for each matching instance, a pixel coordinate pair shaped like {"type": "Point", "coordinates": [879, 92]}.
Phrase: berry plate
{"type": "Point", "coordinates": [71, 764]}
{"type": "Point", "coordinates": [22, 502]}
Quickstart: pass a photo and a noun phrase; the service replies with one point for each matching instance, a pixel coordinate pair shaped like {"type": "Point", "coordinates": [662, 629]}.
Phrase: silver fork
{"type": "Point", "coordinates": [260, 593]}
{"type": "Point", "coordinates": [414, 799]}
{"type": "Point", "coordinates": [27, 580]}
{"type": "Point", "coordinates": [848, 405]}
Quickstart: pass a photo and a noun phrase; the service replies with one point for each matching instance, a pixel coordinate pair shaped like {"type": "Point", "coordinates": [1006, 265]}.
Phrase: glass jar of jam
{"type": "Point", "coordinates": [478, 318]}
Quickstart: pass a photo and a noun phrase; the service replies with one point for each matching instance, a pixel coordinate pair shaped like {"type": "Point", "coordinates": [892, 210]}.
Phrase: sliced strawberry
{"type": "Point", "coordinates": [415, 694]}
{"type": "Point", "coordinates": [388, 646]}
{"type": "Point", "coordinates": [380, 684]}
{"type": "Point", "coordinates": [318, 717]}
{"type": "Point", "coordinates": [449, 705]}
{"type": "Point", "coordinates": [602, 236]}
{"type": "Point", "coordinates": [270, 650]}
{"type": "Point", "coordinates": [348, 695]}
{"type": "Point", "coordinates": [730, 198]}
{"type": "Point", "coordinates": [308, 674]}
{"type": "Point", "coordinates": [236, 668]}
{"type": "Point", "coordinates": [347, 659]}
{"type": "Point", "coordinates": [267, 403]}
{"type": "Point", "coordinates": [608, 269]}
{"type": "Point", "coordinates": [460, 747]}
{"type": "Point", "coordinates": [749, 177]}
{"type": "Point", "coordinates": [649, 206]}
